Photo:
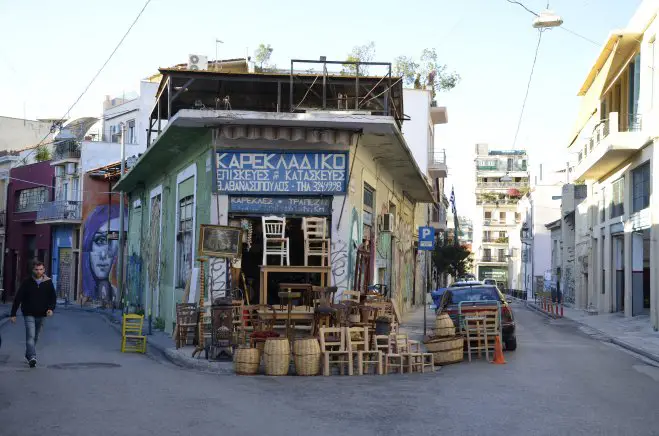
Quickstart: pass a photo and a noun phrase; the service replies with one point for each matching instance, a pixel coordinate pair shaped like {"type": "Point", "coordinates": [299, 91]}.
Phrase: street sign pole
{"type": "Point", "coordinates": [427, 244]}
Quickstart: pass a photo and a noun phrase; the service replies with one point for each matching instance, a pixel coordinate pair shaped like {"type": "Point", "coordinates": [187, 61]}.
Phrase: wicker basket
{"type": "Point", "coordinates": [277, 356]}
{"type": "Point", "coordinates": [446, 351]}
{"type": "Point", "coordinates": [246, 360]}
{"type": "Point", "coordinates": [444, 326]}
{"type": "Point", "coordinates": [306, 355]}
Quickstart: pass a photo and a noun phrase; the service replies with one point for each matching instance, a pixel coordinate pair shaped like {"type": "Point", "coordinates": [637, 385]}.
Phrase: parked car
{"type": "Point", "coordinates": [481, 293]}
{"type": "Point", "coordinates": [490, 282]}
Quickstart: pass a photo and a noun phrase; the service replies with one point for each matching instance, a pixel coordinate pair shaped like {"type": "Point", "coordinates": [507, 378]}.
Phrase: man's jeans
{"type": "Point", "coordinates": [33, 326]}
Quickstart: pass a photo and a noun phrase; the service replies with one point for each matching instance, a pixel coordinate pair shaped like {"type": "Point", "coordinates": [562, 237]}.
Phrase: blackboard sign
{"type": "Point", "coordinates": [318, 206]}
{"type": "Point", "coordinates": [220, 241]}
{"type": "Point", "coordinates": [264, 172]}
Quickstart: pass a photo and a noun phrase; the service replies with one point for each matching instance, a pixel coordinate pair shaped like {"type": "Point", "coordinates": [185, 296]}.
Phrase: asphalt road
{"type": "Point", "coordinates": [560, 381]}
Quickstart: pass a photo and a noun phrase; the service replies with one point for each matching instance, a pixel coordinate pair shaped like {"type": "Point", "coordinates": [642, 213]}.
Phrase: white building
{"type": "Point", "coordinates": [502, 178]}
{"type": "Point", "coordinates": [541, 205]}
{"type": "Point", "coordinates": [134, 113]}
{"type": "Point", "coordinates": [614, 142]}
{"type": "Point", "coordinates": [419, 133]}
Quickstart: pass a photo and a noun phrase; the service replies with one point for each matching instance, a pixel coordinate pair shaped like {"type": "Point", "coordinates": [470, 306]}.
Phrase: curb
{"type": "Point", "coordinates": [170, 354]}
{"type": "Point", "coordinates": [607, 337]}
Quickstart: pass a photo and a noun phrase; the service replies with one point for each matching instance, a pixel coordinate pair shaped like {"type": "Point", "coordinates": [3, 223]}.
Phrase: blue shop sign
{"type": "Point", "coordinates": [264, 172]}
{"type": "Point", "coordinates": [319, 206]}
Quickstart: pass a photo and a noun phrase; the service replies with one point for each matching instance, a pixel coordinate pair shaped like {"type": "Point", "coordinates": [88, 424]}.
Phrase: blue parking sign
{"type": "Point", "coordinates": [426, 238]}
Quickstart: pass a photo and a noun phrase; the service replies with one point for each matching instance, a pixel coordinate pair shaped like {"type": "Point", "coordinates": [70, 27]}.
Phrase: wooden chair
{"type": "Point", "coordinates": [359, 345]}
{"type": "Point", "coordinates": [475, 331]}
{"type": "Point", "coordinates": [419, 360]}
{"type": "Point", "coordinates": [132, 338]}
{"type": "Point", "coordinates": [316, 242]}
{"type": "Point", "coordinates": [186, 323]}
{"type": "Point", "coordinates": [253, 322]}
{"type": "Point", "coordinates": [350, 297]}
{"type": "Point", "coordinates": [275, 243]}
{"type": "Point", "coordinates": [334, 346]}
{"type": "Point", "coordinates": [413, 358]}
{"type": "Point", "coordinates": [391, 358]}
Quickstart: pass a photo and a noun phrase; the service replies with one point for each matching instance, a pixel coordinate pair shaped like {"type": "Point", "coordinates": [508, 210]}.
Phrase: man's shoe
{"type": "Point", "coordinates": [33, 362]}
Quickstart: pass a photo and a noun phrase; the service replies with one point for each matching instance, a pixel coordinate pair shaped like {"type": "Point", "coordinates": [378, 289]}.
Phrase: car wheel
{"type": "Point", "coordinates": [511, 344]}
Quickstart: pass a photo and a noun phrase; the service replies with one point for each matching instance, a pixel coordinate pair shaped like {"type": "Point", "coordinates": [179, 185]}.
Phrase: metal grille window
{"type": "Point", "coordinates": [30, 199]}
{"type": "Point", "coordinates": [641, 187]}
{"type": "Point", "coordinates": [184, 240]}
{"type": "Point", "coordinates": [617, 198]}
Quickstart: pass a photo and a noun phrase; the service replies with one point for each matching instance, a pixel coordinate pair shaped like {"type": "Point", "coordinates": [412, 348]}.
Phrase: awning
{"type": "Point", "coordinates": [614, 56]}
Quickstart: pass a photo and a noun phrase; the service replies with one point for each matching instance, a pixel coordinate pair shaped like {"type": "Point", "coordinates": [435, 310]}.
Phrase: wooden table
{"type": "Point", "coordinates": [266, 269]}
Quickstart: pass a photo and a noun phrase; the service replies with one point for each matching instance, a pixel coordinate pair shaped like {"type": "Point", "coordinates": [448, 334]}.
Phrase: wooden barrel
{"type": "Point", "coordinates": [306, 355]}
{"type": "Point", "coordinates": [444, 326]}
{"type": "Point", "coordinates": [446, 350]}
{"type": "Point", "coordinates": [277, 356]}
{"type": "Point", "coordinates": [246, 360]}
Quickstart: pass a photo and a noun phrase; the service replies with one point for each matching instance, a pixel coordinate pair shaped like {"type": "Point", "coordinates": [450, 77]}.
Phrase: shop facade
{"type": "Point", "coordinates": [233, 168]}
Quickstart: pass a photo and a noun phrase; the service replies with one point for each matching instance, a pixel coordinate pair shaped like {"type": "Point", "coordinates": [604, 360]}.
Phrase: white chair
{"type": "Point", "coordinates": [316, 242]}
{"type": "Point", "coordinates": [274, 241]}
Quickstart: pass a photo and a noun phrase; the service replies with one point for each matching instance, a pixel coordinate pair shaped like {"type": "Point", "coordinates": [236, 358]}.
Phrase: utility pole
{"type": "Point", "coordinates": [120, 269]}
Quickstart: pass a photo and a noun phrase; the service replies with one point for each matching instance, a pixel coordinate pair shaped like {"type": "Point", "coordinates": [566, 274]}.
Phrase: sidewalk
{"type": "Point", "coordinates": [162, 343]}
{"type": "Point", "coordinates": [634, 334]}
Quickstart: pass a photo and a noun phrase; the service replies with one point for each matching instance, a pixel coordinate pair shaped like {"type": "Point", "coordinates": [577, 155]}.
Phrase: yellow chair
{"type": "Point", "coordinates": [132, 338]}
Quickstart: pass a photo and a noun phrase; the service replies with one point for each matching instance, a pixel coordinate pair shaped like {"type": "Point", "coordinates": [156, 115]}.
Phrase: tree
{"type": "Point", "coordinates": [427, 72]}
{"type": "Point", "coordinates": [453, 260]}
{"type": "Point", "coordinates": [262, 55]}
{"type": "Point", "coordinates": [42, 154]}
{"type": "Point", "coordinates": [359, 53]}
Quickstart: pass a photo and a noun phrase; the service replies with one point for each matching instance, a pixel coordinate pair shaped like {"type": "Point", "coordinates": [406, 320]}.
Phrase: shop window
{"type": "Point", "coordinates": [184, 240]}
{"type": "Point", "coordinates": [617, 198]}
{"type": "Point", "coordinates": [30, 199]}
{"type": "Point", "coordinates": [641, 187]}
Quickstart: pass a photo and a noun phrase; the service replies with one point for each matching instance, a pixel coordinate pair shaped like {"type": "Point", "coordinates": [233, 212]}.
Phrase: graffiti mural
{"type": "Point", "coordinates": [343, 256]}
{"type": "Point", "coordinates": [99, 254]}
{"type": "Point", "coordinates": [100, 214]}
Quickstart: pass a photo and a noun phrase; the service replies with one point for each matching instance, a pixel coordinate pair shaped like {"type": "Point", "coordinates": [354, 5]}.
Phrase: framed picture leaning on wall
{"type": "Point", "coordinates": [220, 241]}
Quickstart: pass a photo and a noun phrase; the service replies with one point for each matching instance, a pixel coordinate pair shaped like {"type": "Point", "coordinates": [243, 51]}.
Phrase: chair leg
{"type": "Point", "coordinates": [288, 253]}
{"type": "Point", "coordinates": [326, 366]}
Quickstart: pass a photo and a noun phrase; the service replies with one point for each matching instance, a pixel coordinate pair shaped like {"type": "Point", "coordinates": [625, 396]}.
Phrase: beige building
{"type": "Point", "coordinates": [616, 247]}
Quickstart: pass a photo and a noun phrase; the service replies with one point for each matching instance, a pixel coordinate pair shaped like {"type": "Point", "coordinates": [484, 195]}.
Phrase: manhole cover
{"type": "Point", "coordinates": [84, 365]}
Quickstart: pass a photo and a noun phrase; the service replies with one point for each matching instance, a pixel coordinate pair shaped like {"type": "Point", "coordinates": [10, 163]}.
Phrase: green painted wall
{"type": "Point", "coordinates": [197, 151]}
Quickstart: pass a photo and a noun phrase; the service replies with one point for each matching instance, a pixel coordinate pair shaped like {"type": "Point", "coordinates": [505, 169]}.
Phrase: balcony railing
{"type": "Point", "coordinates": [501, 259]}
{"type": "Point", "coordinates": [66, 150]}
{"type": "Point", "coordinates": [607, 127]}
{"type": "Point", "coordinates": [498, 200]}
{"type": "Point", "coordinates": [502, 185]}
{"type": "Point", "coordinates": [60, 210]}
{"type": "Point", "coordinates": [495, 240]}
{"type": "Point", "coordinates": [501, 166]}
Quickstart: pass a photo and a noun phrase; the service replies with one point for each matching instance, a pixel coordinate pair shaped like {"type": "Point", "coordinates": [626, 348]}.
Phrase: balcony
{"type": "Point", "coordinates": [60, 211]}
{"type": "Point", "coordinates": [66, 151]}
{"type": "Point", "coordinates": [493, 186]}
{"type": "Point", "coordinates": [609, 146]}
{"type": "Point", "coordinates": [496, 200]}
{"type": "Point", "coordinates": [493, 259]}
{"type": "Point", "coordinates": [500, 166]}
{"type": "Point", "coordinates": [498, 241]}
{"type": "Point", "coordinates": [437, 168]}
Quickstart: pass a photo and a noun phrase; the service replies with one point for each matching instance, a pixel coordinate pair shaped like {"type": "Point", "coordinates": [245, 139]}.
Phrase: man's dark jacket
{"type": "Point", "coordinates": [35, 298]}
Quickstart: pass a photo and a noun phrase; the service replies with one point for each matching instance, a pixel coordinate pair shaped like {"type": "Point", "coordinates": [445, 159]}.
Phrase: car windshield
{"type": "Point", "coordinates": [474, 294]}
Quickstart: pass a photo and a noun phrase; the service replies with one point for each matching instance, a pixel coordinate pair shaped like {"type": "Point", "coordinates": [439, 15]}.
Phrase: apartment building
{"type": "Point", "coordinates": [614, 144]}
{"type": "Point", "coordinates": [502, 179]}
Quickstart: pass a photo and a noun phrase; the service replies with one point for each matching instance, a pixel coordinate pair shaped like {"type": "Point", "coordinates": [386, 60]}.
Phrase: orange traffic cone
{"type": "Point", "coordinates": [498, 352]}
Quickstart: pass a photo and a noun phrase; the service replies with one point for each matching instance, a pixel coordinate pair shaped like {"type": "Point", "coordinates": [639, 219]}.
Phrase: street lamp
{"type": "Point", "coordinates": [546, 20]}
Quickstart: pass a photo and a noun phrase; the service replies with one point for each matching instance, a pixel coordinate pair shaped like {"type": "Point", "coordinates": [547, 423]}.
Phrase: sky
{"type": "Point", "coordinates": [51, 50]}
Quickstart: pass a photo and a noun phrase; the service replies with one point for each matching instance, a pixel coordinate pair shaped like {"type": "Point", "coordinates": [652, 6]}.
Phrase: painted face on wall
{"type": "Point", "coordinates": [103, 251]}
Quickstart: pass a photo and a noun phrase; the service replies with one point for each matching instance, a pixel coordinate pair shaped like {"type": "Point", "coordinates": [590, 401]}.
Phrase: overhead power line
{"type": "Point", "coordinates": [528, 87]}
{"type": "Point", "coordinates": [100, 70]}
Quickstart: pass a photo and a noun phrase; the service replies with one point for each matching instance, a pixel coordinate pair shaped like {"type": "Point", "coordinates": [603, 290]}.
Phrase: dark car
{"type": "Point", "coordinates": [479, 295]}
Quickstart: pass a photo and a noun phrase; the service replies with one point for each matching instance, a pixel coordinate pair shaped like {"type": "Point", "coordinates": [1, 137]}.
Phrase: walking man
{"type": "Point", "coordinates": [37, 299]}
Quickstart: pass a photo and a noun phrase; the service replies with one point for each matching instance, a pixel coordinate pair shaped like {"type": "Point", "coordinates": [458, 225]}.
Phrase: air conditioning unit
{"type": "Point", "coordinates": [197, 62]}
{"type": "Point", "coordinates": [386, 223]}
